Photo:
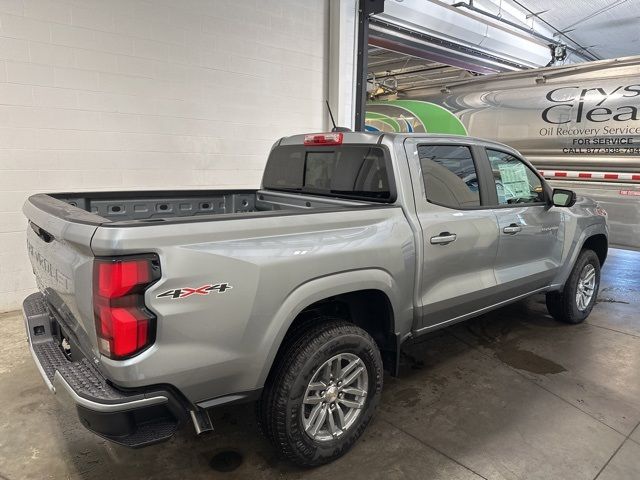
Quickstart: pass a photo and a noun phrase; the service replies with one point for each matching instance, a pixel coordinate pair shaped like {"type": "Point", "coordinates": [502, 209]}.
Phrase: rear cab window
{"type": "Point", "coordinates": [361, 172]}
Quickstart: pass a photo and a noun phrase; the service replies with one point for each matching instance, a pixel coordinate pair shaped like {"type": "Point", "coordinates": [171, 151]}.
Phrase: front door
{"type": "Point", "coordinates": [459, 237]}
{"type": "Point", "coordinates": [531, 231]}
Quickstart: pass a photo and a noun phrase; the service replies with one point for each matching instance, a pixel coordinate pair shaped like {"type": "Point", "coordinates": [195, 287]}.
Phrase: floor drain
{"type": "Point", "coordinates": [226, 461]}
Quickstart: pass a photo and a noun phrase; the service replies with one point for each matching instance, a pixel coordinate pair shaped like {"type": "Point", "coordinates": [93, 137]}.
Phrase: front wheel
{"type": "Point", "coordinates": [576, 300]}
{"type": "Point", "coordinates": [323, 392]}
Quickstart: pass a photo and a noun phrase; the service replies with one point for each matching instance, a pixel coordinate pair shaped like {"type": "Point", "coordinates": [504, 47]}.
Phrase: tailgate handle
{"type": "Point", "coordinates": [43, 234]}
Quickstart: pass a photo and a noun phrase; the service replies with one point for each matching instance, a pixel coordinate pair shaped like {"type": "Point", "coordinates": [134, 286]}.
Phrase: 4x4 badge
{"type": "Point", "coordinates": [203, 290]}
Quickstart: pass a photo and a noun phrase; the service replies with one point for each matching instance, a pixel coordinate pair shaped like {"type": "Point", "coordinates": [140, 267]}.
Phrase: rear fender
{"type": "Point", "coordinates": [320, 289]}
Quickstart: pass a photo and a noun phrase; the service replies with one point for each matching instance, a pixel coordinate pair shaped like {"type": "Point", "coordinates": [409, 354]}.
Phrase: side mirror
{"type": "Point", "coordinates": [563, 198]}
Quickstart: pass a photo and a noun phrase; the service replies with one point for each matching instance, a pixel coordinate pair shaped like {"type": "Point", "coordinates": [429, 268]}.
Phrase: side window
{"type": "Point", "coordinates": [515, 181]}
{"type": "Point", "coordinates": [449, 175]}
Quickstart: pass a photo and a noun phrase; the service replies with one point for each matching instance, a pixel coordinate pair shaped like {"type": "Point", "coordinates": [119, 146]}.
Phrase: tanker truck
{"type": "Point", "coordinates": [578, 124]}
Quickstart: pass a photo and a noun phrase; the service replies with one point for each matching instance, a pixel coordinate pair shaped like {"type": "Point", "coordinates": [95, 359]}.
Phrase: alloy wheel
{"type": "Point", "coordinates": [335, 397]}
{"type": "Point", "coordinates": [586, 287]}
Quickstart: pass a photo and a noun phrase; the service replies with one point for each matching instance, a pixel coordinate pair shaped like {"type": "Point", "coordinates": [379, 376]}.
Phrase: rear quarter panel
{"type": "Point", "coordinates": [222, 343]}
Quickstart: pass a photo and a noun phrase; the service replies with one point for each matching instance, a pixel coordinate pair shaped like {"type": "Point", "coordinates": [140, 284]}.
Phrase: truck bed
{"type": "Point", "coordinates": [152, 206]}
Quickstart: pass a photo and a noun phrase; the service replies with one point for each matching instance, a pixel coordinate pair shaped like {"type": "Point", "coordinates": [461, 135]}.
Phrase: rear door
{"type": "Point", "coordinates": [459, 235]}
{"type": "Point", "coordinates": [531, 231]}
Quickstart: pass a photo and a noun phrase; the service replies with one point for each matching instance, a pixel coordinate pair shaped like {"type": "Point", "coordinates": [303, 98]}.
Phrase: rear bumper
{"type": "Point", "coordinates": [130, 418]}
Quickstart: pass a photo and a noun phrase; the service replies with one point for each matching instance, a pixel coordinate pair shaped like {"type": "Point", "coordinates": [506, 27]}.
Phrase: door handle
{"type": "Point", "coordinates": [512, 229]}
{"type": "Point", "coordinates": [443, 238]}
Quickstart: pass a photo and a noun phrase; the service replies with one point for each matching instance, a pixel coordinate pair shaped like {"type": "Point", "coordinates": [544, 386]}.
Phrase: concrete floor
{"type": "Point", "coordinates": [510, 395]}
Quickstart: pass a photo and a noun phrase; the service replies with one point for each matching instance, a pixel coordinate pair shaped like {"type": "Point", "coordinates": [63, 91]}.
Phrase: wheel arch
{"type": "Point", "coordinates": [364, 297]}
{"type": "Point", "coordinates": [599, 244]}
{"type": "Point", "coordinates": [594, 236]}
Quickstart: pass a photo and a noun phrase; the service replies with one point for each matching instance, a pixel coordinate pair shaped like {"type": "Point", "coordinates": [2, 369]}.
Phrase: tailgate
{"type": "Point", "coordinates": [58, 242]}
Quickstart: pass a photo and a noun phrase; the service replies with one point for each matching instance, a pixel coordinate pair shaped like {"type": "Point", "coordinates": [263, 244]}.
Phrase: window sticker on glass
{"type": "Point", "coordinates": [515, 182]}
{"type": "Point", "coordinates": [514, 179]}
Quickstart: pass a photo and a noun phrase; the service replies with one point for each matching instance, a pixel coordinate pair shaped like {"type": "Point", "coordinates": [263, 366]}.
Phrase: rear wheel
{"type": "Point", "coordinates": [323, 392]}
{"type": "Point", "coordinates": [576, 300]}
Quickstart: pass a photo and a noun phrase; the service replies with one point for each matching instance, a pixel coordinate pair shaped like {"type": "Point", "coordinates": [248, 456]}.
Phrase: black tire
{"type": "Point", "coordinates": [280, 409]}
{"type": "Point", "coordinates": [563, 305]}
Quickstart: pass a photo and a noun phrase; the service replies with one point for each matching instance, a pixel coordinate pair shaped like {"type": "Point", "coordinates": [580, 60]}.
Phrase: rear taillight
{"type": "Point", "coordinates": [124, 325]}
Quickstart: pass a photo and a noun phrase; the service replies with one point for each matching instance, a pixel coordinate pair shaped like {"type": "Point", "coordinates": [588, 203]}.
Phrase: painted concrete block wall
{"type": "Point", "coordinates": [130, 94]}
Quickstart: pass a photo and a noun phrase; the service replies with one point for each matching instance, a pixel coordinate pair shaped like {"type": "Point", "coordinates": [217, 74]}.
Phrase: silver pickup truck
{"type": "Point", "coordinates": [157, 306]}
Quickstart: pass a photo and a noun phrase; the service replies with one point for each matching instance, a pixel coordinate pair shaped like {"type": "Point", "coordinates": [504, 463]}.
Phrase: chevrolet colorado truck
{"type": "Point", "coordinates": [154, 307]}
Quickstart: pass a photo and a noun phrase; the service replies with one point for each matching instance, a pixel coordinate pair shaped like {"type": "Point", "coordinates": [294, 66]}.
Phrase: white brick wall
{"type": "Point", "coordinates": [132, 94]}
